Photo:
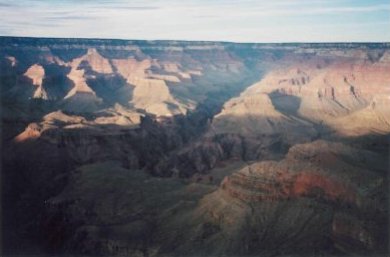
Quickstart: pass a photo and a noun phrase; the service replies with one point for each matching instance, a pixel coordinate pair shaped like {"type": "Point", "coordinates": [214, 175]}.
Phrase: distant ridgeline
{"type": "Point", "coordinates": [182, 148]}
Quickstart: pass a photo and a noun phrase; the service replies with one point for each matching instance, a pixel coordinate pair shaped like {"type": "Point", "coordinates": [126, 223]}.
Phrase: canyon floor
{"type": "Point", "coordinates": [172, 148]}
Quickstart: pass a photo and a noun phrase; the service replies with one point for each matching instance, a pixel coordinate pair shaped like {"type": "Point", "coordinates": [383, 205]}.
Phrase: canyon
{"type": "Point", "coordinates": [185, 148]}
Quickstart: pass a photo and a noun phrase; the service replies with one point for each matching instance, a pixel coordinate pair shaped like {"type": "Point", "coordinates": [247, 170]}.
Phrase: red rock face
{"type": "Point", "coordinates": [303, 173]}
{"type": "Point", "coordinates": [317, 185]}
{"type": "Point", "coordinates": [246, 190]}
{"type": "Point", "coordinates": [32, 131]}
{"type": "Point", "coordinates": [97, 104]}
{"type": "Point", "coordinates": [288, 186]}
{"type": "Point", "coordinates": [317, 173]}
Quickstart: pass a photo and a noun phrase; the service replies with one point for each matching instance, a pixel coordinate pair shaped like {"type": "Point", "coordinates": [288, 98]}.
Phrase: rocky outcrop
{"type": "Point", "coordinates": [329, 176]}
{"type": "Point", "coordinates": [266, 208]}
{"type": "Point", "coordinates": [126, 210]}
{"type": "Point", "coordinates": [336, 92]}
{"type": "Point", "coordinates": [125, 155]}
{"type": "Point", "coordinates": [36, 73]}
{"type": "Point", "coordinates": [154, 97]}
{"type": "Point", "coordinates": [140, 75]}
{"type": "Point", "coordinates": [252, 115]}
{"type": "Point", "coordinates": [97, 62]}
{"type": "Point", "coordinates": [132, 69]}
{"type": "Point", "coordinates": [32, 131]}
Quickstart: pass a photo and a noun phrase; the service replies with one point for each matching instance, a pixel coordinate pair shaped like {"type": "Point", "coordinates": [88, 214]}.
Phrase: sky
{"type": "Point", "coordinates": [206, 20]}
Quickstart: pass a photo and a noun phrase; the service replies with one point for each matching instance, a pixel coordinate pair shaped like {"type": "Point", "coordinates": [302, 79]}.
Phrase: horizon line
{"type": "Point", "coordinates": [199, 40]}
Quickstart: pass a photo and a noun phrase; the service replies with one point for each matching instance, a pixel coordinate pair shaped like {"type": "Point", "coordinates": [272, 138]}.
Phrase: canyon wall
{"type": "Point", "coordinates": [171, 148]}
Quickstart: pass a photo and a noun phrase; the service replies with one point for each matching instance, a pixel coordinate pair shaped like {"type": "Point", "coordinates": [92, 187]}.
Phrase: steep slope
{"type": "Point", "coordinates": [97, 62]}
{"type": "Point", "coordinates": [170, 148]}
{"type": "Point", "coordinates": [320, 191]}
{"type": "Point", "coordinates": [322, 199]}
{"type": "Point", "coordinates": [341, 93]}
{"type": "Point", "coordinates": [372, 119]}
{"type": "Point", "coordinates": [36, 73]}
{"type": "Point", "coordinates": [121, 221]}
{"type": "Point", "coordinates": [255, 114]}
{"type": "Point", "coordinates": [55, 124]}
{"type": "Point", "coordinates": [140, 75]}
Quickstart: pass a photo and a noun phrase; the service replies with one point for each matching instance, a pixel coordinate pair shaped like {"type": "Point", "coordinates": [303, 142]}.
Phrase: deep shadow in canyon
{"type": "Point", "coordinates": [193, 148]}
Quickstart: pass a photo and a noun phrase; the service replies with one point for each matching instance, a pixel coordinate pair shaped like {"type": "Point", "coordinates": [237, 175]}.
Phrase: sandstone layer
{"type": "Point", "coordinates": [149, 148]}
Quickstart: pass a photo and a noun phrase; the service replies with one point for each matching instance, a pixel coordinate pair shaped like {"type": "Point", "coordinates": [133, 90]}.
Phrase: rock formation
{"type": "Point", "coordinates": [148, 148]}
{"type": "Point", "coordinates": [36, 73]}
{"type": "Point", "coordinates": [346, 94]}
{"type": "Point", "coordinates": [329, 181]}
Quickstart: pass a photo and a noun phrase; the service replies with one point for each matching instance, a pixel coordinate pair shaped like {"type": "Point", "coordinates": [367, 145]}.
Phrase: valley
{"type": "Point", "coordinates": [186, 148]}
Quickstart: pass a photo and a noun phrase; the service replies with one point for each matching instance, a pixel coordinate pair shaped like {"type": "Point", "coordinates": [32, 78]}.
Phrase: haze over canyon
{"type": "Point", "coordinates": [190, 148]}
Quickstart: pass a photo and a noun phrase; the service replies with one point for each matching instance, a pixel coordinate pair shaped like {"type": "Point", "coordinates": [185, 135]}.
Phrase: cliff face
{"type": "Point", "coordinates": [171, 148]}
{"type": "Point", "coordinates": [84, 76]}
{"type": "Point", "coordinates": [344, 93]}
{"type": "Point", "coordinates": [325, 189]}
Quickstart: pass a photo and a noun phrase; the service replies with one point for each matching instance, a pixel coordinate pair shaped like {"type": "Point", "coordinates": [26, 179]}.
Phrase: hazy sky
{"type": "Point", "coordinates": [220, 20]}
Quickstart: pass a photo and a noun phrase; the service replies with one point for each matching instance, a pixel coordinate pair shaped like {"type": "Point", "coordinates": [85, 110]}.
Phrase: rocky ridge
{"type": "Point", "coordinates": [190, 155]}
